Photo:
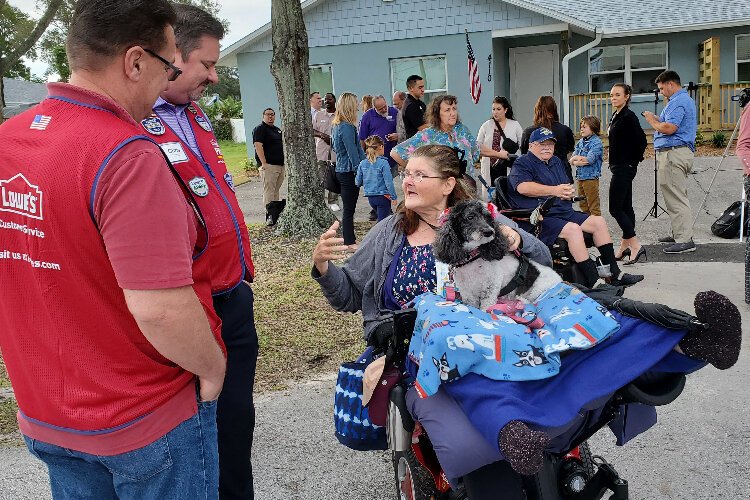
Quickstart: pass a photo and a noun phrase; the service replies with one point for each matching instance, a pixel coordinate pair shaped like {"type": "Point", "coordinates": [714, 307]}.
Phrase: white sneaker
{"type": "Point", "coordinates": [334, 207]}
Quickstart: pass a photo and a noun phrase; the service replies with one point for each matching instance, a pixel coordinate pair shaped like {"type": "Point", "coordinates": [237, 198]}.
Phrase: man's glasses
{"type": "Point", "coordinates": [170, 67]}
{"type": "Point", "coordinates": [418, 176]}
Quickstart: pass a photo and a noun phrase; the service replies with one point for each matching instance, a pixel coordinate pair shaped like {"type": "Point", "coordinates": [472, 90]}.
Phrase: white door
{"type": "Point", "coordinates": [534, 72]}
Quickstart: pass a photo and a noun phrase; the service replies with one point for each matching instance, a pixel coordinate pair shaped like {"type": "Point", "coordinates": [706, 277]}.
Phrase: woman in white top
{"type": "Point", "coordinates": [490, 139]}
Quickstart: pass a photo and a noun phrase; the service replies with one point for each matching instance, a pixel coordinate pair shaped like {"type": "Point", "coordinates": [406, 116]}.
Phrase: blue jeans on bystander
{"type": "Point", "coordinates": [184, 463]}
{"type": "Point", "coordinates": [381, 205]}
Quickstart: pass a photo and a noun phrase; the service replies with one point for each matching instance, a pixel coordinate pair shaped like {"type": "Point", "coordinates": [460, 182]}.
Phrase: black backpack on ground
{"type": "Point", "coordinates": [728, 225]}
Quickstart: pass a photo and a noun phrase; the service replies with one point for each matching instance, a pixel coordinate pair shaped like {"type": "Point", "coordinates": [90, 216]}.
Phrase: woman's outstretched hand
{"type": "Point", "coordinates": [329, 247]}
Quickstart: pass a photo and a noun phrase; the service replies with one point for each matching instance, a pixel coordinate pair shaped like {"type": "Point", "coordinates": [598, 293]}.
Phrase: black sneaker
{"type": "Point", "coordinates": [680, 248]}
{"type": "Point", "coordinates": [626, 280]}
{"type": "Point", "coordinates": [666, 239]}
{"type": "Point", "coordinates": [373, 215]}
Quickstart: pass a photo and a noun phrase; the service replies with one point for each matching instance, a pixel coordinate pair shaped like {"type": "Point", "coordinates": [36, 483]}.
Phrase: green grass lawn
{"type": "Point", "coordinates": [234, 153]}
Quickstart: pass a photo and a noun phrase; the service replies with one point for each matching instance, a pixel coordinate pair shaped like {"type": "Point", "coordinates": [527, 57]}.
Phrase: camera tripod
{"type": "Point", "coordinates": [654, 212]}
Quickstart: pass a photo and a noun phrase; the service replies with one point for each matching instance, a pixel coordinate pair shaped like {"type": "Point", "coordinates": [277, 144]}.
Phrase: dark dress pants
{"type": "Point", "coordinates": [235, 415]}
{"type": "Point", "coordinates": [621, 198]}
{"type": "Point", "coordinates": [349, 196]}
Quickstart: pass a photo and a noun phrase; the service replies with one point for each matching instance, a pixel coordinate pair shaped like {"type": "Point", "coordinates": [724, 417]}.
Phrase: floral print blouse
{"type": "Point", "coordinates": [460, 137]}
{"type": "Point", "coordinates": [415, 273]}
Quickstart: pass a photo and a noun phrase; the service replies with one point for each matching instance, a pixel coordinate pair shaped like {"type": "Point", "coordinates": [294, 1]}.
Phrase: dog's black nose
{"type": "Point", "coordinates": [488, 232]}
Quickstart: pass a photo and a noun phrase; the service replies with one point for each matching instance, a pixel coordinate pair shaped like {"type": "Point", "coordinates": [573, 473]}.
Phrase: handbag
{"type": "Point", "coordinates": [500, 168]}
{"type": "Point", "coordinates": [353, 425]}
{"type": "Point", "coordinates": [327, 173]}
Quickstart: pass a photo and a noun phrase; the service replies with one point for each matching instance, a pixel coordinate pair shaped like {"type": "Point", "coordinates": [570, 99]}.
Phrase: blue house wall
{"type": "Point", "coordinates": [360, 37]}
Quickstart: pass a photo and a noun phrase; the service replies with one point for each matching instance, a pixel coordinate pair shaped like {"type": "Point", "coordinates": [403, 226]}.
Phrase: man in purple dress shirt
{"type": "Point", "coordinates": [381, 121]}
{"type": "Point", "coordinates": [197, 35]}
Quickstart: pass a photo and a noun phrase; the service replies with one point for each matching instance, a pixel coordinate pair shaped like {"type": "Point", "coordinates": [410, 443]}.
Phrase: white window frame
{"type": "Point", "coordinates": [628, 72]}
{"type": "Point", "coordinates": [310, 67]}
{"type": "Point", "coordinates": [737, 61]}
{"type": "Point", "coordinates": [394, 88]}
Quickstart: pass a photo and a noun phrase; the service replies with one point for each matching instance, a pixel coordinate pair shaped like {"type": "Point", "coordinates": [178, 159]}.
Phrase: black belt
{"type": "Point", "coordinates": [670, 148]}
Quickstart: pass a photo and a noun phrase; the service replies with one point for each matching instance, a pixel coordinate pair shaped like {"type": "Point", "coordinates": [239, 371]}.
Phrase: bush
{"type": "Point", "coordinates": [249, 166]}
{"type": "Point", "coordinates": [229, 108]}
{"type": "Point", "coordinates": [699, 138]}
{"type": "Point", "coordinates": [222, 129]}
{"type": "Point", "coordinates": [719, 139]}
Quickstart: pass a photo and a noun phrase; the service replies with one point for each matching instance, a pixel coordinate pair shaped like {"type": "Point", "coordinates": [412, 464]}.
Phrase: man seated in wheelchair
{"type": "Point", "coordinates": [539, 174]}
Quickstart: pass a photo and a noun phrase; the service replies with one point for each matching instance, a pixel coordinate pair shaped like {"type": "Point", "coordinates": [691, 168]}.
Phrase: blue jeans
{"type": "Point", "coordinates": [184, 463]}
{"type": "Point", "coordinates": [349, 196]}
{"type": "Point", "coordinates": [381, 205]}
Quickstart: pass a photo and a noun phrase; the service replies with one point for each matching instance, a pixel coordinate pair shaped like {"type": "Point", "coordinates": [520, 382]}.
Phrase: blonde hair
{"type": "Point", "coordinates": [346, 109]}
{"type": "Point", "coordinates": [372, 144]}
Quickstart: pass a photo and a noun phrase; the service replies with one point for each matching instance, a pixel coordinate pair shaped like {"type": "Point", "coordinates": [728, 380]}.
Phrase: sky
{"type": "Point", "coordinates": [244, 16]}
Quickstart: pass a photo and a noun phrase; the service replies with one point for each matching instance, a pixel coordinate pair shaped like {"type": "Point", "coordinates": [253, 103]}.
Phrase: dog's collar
{"type": "Point", "coordinates": [520, 276]}
{"type": "Point", "coordinates": [473, 255]}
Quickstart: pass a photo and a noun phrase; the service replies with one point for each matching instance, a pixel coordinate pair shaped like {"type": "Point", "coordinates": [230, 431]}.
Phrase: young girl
{"type": "Point", "coordinates": [587, 160]}
{"type": "Point", "coordinates": [374, 173]}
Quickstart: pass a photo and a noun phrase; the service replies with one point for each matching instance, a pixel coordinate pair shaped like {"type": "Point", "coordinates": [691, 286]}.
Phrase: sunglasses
{"type": "Point", "coordinates": [175, 71]}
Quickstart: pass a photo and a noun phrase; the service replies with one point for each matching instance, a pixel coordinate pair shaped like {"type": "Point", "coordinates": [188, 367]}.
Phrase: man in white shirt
{"type": "Point", "coordinates": [316, 103]}
{"type": "Point", "coordinates": [322, 127]}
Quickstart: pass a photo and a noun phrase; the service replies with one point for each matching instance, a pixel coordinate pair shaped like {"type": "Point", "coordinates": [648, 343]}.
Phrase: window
{"type": "Point", "coordinates": [321, 79]}
{"type": "Point", "coordinates": [636, 65]}
{"type": "Point", "coordinates": [742, 49]}
{"type": "Point", "coordinates": [433, 69]}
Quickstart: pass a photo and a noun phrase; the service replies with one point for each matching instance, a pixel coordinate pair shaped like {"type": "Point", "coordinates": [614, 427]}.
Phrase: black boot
{"type": "Point", "coordinates": [720, 338]}
{"type": "Point", "coordinates": [589, 272]}
{"type": "Point", "coordinates": [522, 447]}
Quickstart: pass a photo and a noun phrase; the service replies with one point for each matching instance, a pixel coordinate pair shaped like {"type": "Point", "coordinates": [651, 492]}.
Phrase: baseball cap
{"type": "Point", "coordinates": [542, 134]}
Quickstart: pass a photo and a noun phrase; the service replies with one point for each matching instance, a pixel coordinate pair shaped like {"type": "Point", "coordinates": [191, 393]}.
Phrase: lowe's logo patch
{"type": "Point", "coordinates": [19, 196]}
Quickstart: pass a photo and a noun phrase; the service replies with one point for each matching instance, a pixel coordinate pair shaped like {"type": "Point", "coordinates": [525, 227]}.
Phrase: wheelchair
{"type": "Point", "coordinates": [573, 474]}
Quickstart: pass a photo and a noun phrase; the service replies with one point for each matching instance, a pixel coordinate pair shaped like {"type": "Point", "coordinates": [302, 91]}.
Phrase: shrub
{"type": "Point", "coordinates": [229, 108]}
{"type": "Point", "coordinates": [249, 166]}
{"type": "Point", "coordinates": [699, 138]}
{"type": "Point", "coordinates": [222, 129]}
{"type": "Point", "coordinates": [719, 139]}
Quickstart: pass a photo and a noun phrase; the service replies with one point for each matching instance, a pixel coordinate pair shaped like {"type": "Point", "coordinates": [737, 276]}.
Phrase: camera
{"type": "Point", "coordinates": [744, 97]}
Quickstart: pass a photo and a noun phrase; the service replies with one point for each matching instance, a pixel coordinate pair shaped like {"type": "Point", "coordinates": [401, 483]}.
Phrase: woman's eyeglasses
{"type": "Point", "coordinates": [418, 176]}
{"type": "Point", "coordinates": [175, 71]}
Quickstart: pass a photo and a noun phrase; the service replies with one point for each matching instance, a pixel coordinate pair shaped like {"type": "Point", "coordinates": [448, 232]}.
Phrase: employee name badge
{"type": "Point", "coordinates": [175, 152]}
{"type": "Point", "coordinates": [442, 273]}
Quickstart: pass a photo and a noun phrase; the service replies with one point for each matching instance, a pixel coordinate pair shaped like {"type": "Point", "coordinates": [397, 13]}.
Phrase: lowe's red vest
{"type": "Point", "coordinates": [212, 186]}
{"type": "Point", "coordinates": [77, 359]}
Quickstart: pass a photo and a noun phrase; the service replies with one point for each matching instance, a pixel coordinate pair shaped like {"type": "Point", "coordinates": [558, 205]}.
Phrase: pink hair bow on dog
{"type": "Point", "coordinates": [443, 217]}
{"type": "Point", "coordinates": [493, 210]}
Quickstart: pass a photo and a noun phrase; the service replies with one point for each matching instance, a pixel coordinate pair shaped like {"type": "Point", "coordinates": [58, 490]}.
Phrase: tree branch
{"type": "Point", "coordinates": [22, 48]}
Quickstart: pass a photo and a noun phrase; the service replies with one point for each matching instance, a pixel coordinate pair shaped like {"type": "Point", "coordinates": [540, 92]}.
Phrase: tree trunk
{"type": "Point", "coordinates": [11, 59]}
{"type": "Point", "coordinates": [306, 214]}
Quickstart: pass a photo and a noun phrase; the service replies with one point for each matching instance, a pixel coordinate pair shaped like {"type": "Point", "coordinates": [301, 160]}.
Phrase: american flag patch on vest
{"type": "Point", "coordinates": [40, 122]}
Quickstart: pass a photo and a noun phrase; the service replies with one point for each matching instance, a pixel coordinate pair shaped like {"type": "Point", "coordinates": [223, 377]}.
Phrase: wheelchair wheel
{"type": "Point", "coordinates": [413, 481]}
{"type": "Point", "coordinates": [587, 459]}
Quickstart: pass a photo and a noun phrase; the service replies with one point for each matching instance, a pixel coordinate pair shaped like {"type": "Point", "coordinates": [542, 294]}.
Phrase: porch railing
{"type": "Point", "coordinates": [595, 103]}
{"type": "Point", "coordinates": [598, 104]}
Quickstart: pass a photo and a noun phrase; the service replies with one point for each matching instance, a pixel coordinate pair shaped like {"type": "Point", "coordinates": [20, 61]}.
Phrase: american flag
{"type": "Point", "coordinates": [475, 83]}
{"type": "Point", "coordinates": [40, 122]}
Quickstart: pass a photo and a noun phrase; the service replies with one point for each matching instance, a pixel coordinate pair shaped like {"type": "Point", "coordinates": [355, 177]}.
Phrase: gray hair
{"type": "Point", "coordinates": [379, 96]}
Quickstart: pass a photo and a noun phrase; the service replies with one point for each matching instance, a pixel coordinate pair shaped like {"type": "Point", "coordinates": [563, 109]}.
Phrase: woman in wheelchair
{"type": "Point", "coordinates": [395, 264]}
{"type": "Point", "coordinates": [539, 174]}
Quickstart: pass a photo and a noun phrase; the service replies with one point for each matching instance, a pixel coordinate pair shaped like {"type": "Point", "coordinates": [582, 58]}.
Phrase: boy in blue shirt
{"type": "Point", "coordinates": [587, 159]}
{"type": "Point", "coordinates": [374, 173]}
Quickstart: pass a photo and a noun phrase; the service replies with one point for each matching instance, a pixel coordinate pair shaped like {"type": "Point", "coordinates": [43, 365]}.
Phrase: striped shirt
{"type": "Point", "coordinates": [178, 120]}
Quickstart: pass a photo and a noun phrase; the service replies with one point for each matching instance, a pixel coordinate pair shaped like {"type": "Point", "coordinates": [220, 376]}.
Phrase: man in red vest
{"type": "Point", "coordinates": [108, 330]}
{"type": "Point", "coordinates": [184, 132]}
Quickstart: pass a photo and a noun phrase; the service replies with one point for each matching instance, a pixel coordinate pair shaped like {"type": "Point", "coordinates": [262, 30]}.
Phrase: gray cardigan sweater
{"type": "Point", "coordinates": [358, 285]}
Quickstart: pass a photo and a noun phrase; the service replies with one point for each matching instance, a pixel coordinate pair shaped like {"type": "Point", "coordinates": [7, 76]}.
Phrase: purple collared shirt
{"type": "Point", "coordinates": [178, 120]}
{"type": "Point", "coordinates": [373, 123]}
